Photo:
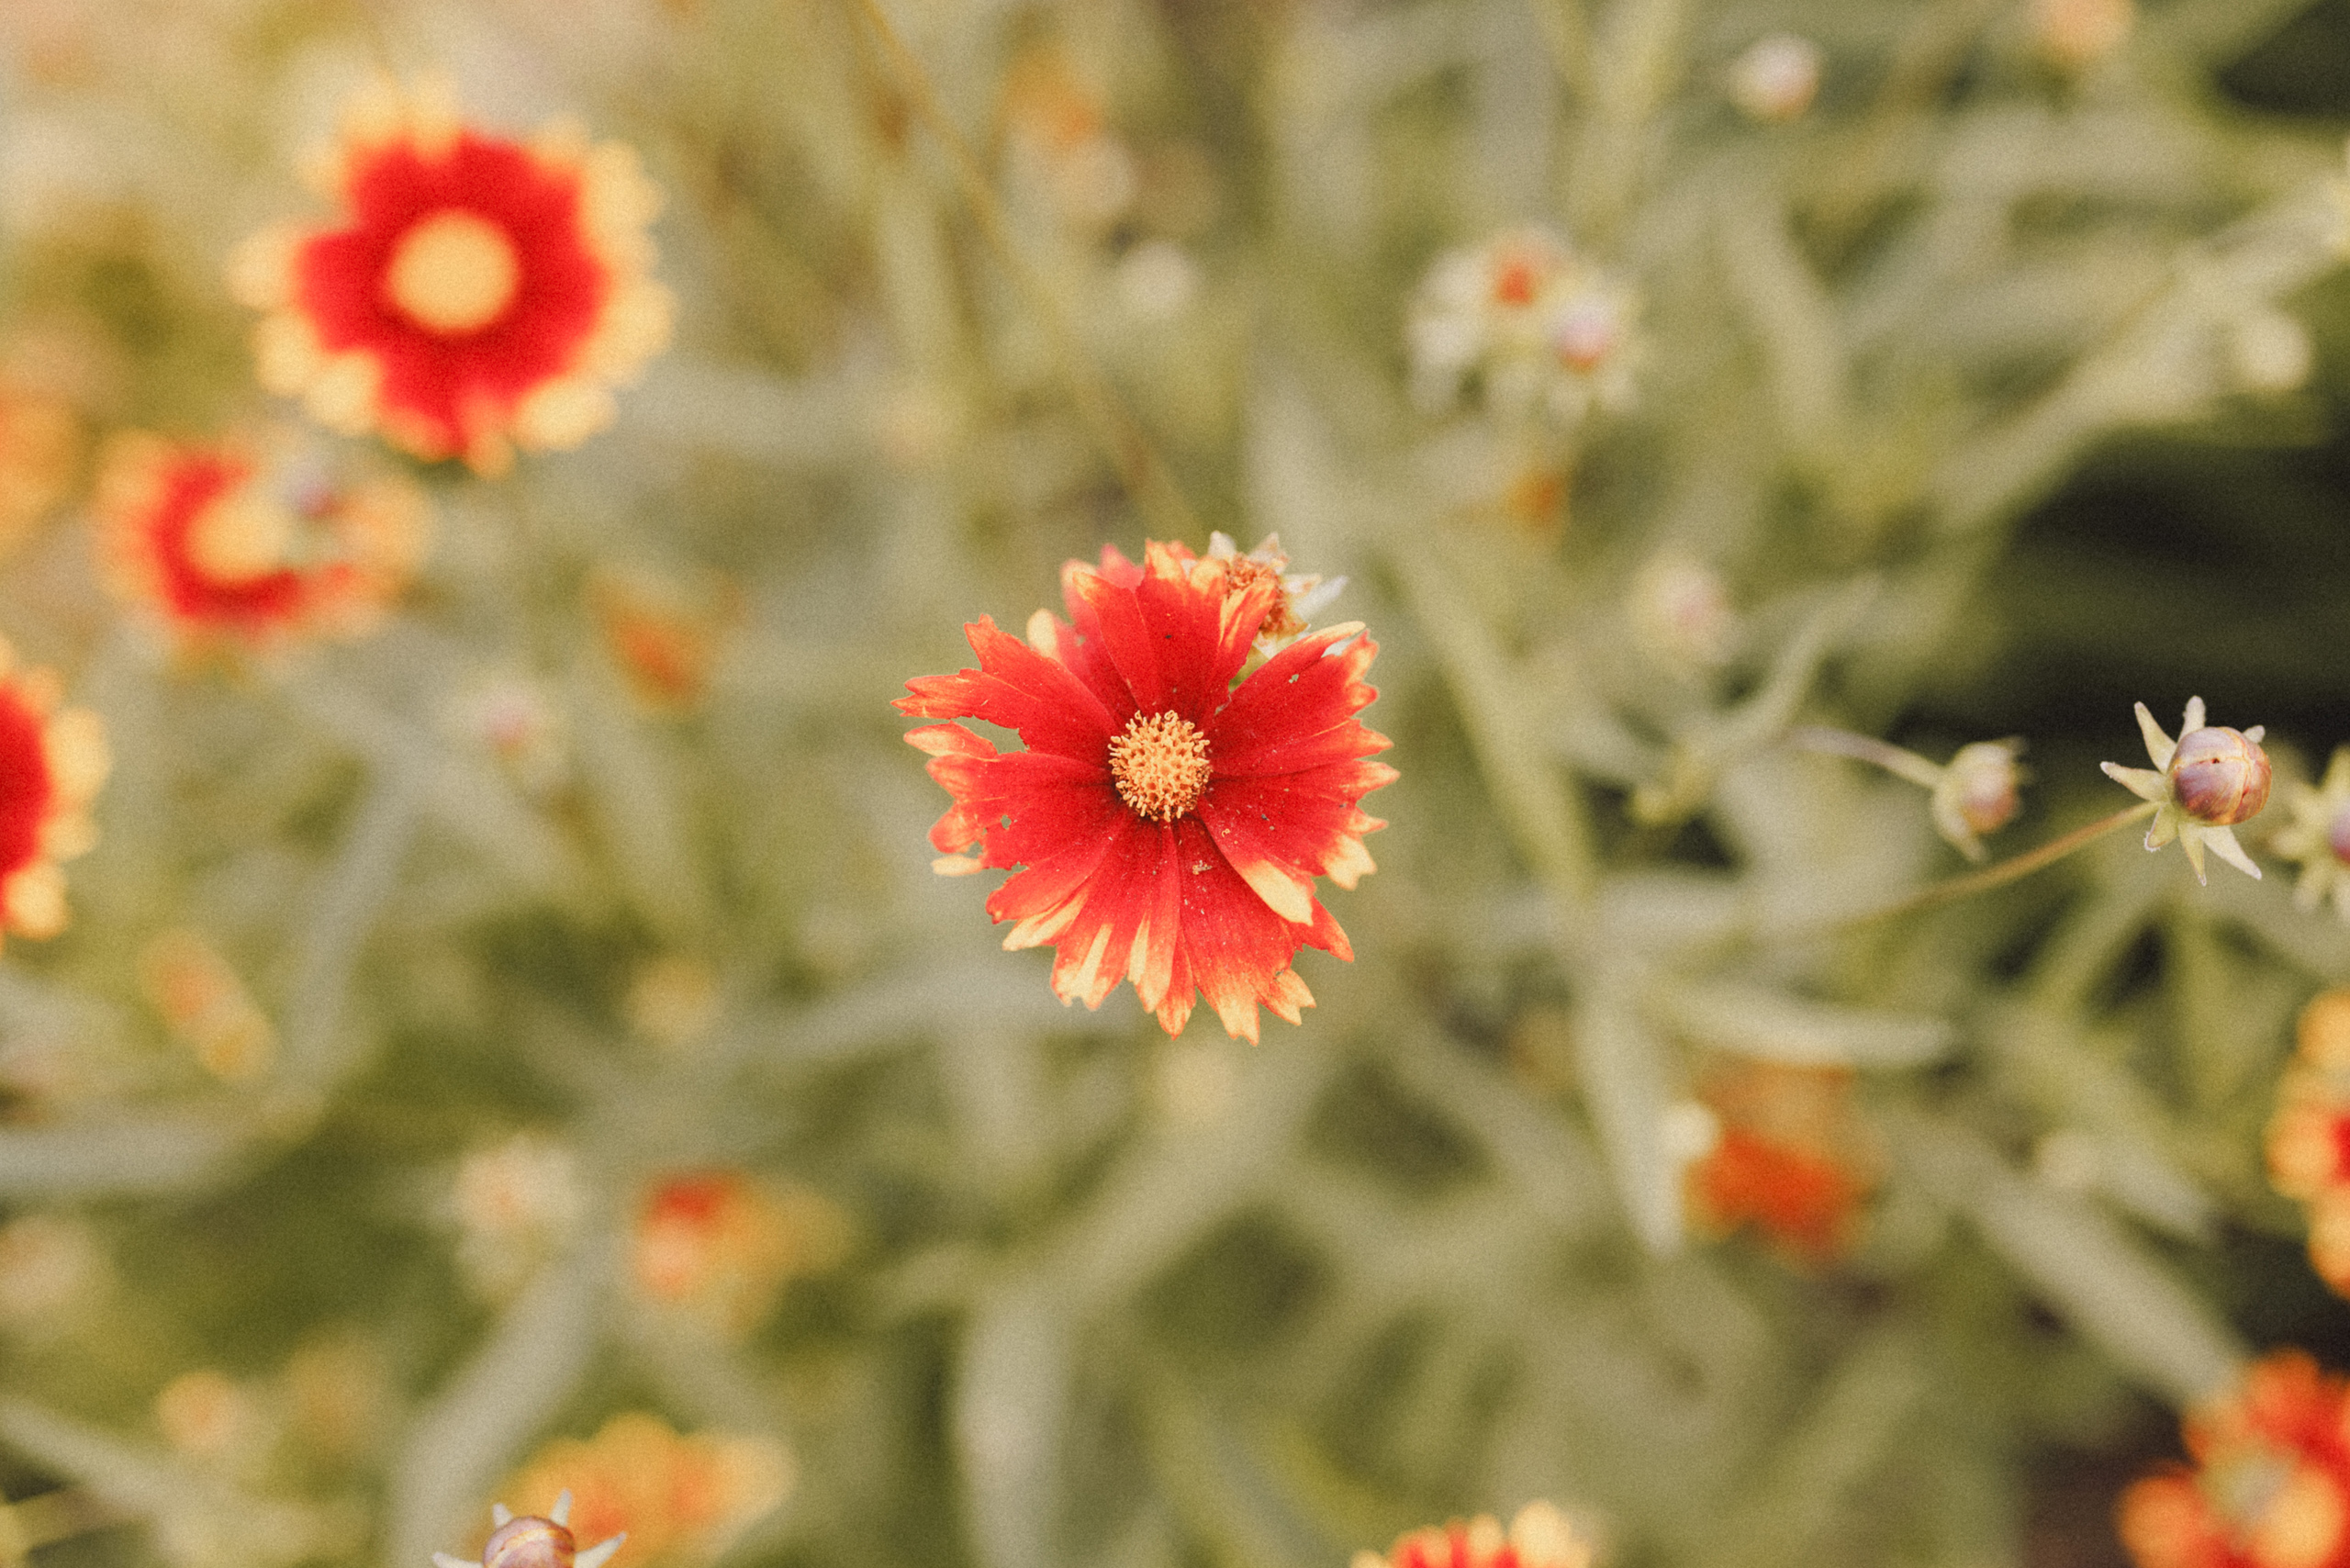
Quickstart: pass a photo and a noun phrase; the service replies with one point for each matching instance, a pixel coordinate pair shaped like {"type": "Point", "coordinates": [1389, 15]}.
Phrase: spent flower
{"type": "Point", "coordinates": [2208, 779]}
{"type": "Point", "coordinates": [1539, 328]}
{"type": "Point", "coordinates": [2318, 837]}
{"type": "Point", "coordinates": [475, 294]}
{"type": "Point", "coordinates": [1171, 816]}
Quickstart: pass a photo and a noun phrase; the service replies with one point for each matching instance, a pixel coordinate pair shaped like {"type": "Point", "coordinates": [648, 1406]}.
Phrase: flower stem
{"type": "Point", "coordinates": [2005, 871]}
{"type": "Point", "coordinates": [1899, 761]}
{"type": "Point", "coordinates": [1106, 417]}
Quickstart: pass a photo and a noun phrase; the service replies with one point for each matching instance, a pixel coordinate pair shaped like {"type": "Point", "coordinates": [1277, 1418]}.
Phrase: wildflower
{"type": "Point", "coordinates": [665, 646]}
{"type": "Point", "coordinates": [534, 1540]}
{"type": "Point", "coordinates": [2076, 34]}
{"type": "Point", "coordinates": [52, 762]}
{"type": "Point", "coordinates": [2269, 1485]}
{"type": "Point", "coordinates": [1538, 328]}
{"type": "Point", "coordinates": [2211, 778]}
{"type": "Point", "coordinates": [1539, 1537]}
{"type": "Point", "coordinates": [1976, 794]}
{"type": "Point", "coordinates": [39, 444]}
{"type": "Point", "coordinates": [205, 1005]}
{"type": "Point", "coordinates": [680, 1499]}
{"type": "Point", "coordinates": [1303, 594]}
{"type": "Point", "coordinates": [1776, 78]}
{"type": "Point", "coordinates": [476, 293]}
{"type": "Point", "coordinates": [718, 1245]}
{"type": "Point", "coordinates": [218, 544]}
{"type": "Point", "coordinates": [1171, 822]}
{"type": "Point", "coordinates": [2308, 1135]}
{"type": "Point", "coordinates": [2319, 837]}
{"type": "Point", "coordinates": [1785, 1159]}
{"type": "Point", "coordinates": [514, 1202]}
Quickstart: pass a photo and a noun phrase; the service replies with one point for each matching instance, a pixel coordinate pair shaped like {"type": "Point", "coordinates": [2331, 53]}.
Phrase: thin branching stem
{"type": "Point", "coordinates": [2005, 871]}
{"type": "Point", "coordinates": [1113, 426]}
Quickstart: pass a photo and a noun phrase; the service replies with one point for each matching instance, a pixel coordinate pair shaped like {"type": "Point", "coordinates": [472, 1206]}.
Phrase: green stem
{"type": "Point", "coordinates": [1899, 761]}
{"type": "Point", "coordinates": [2005, 871]}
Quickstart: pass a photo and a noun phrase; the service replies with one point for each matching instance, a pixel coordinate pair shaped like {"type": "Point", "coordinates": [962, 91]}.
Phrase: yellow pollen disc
{"type": "Point", "coordinates": [241, 536]}
{"type": "Point", "coordinates": [453, 272]}
{"type": "Point", "coordinates": [1161, 765]}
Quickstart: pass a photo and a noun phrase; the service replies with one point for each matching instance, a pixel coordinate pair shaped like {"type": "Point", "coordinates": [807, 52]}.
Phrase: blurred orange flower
{"type": "Point", "coordinates": [681, 1500]}
{"type": "Point", "coordinates": [1539, 1537]}
{"type": "Point", "coordinates": [2268, 1481]}
{"type": "Point", "coordinates": [721, 1246]}
{"type": "Point", "coordinates": [1788, 1161]}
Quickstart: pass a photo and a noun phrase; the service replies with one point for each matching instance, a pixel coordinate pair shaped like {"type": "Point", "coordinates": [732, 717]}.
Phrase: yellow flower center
{"type": "Point", "coordinates": [453, 272]}
{"type": "Point", "coordinates": [239, 537]}
{"type": "Point", "coordinates": [1161, 765]}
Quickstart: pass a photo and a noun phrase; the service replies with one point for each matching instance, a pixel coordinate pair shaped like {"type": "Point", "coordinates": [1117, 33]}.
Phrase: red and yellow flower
{"type": "Point", "coordinates": [1787, 1159]}
{"type": "Point", "coordinates": [720, 1246]}
{"type": "Point", "coordinates": [1539, 1537]}
{"type": "Point", "coordinates": [679, 1498]}
{"type": "Point", "coordinates": [1172, 818]}
{"type": "Point", "coordinates": [52, 760]}
{"type": "Point", "coordinates": [476, 294]}
{"type": "Point", "coordinates": [223, 544]}
{"type": "Point", "coordinates": [2309, 1137]}
{"type": "Point", "coordinates": [2268, 1481]}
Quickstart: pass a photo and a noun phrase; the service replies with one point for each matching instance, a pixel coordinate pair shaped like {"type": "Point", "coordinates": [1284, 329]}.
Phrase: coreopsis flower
{"type": "Point", "coordinates": [2267, 1484]}
{"type": "Point", "coordinates": [52, 760]}
{"type": "Point", "coordinates": [1539, 1537]}
{"type": "Point", "coordinates": [475, 294]}
{"type": "Point", "coordinates": [1776, 78]}
{"type": "Point", "coordinates": [720, 1246]}
{"type": "Point", "coordinates": [1536, 327]}
{"type": "Point", "coordinates": [1787, 1159]}
{"type": "Point", "coordinates": [2308, 1135]}
{"type": "Point", "coordinates": [2319, 837]}
{"type": "Point", "coordinates": [534, 1540]}
{"type": "Point", "coordinates": [2209, 779]}
{"type": "Point", "coordinates": [679, 1499]}
{"type": "Point", "coordinates": [665, 646]}
{"type": "Point", "coordinates": [1976, 794]}
{"type": "Point", "coordinates": [205, 1005]}
{"type": "Point", "coordinates": [1171, 819]}
{"type": "Point", "coordinates": [222, 545]}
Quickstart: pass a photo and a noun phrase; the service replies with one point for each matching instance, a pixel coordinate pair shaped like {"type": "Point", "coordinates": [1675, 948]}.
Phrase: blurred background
{"type": "Point", "coordinates": [509, 1037]}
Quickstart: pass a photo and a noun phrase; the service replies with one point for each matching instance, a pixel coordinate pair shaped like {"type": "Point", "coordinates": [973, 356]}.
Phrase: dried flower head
{"type": "Point", "coordinates": [534, 1540]}
{"type": "Point", "coordinates": [1172, 818]}
{"type": "Point", "coordinates": [680, 1499]}
{"type": "Point", "coordinates": [1976, 794]}
{"type": "Point", "coordinates": [2318, 837]}
{"type": "Point", "coordinates": [2211, 778]}
{"type": "Point", "coordinates": [52, 760]}
{"type": "Point", "coordinates": [223, 544]}
{"type": "Point", "coordinates": [1539, 1537]}
{"type": "Point", "coordinates": [1776, 78]}
{"type": "Point", "coordinates": [2267, 1484]}
{"type": "Point", "coordinates": [1302, 597]}
{"type": "Point", "coordinates": [475, 294]}
{"type": "Point", "coordinates": [1529, 321]}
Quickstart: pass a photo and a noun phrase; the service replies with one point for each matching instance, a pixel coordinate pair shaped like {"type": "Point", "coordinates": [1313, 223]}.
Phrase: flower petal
{"type": "Point", "coordinates": [2158, 745]}
{"type": "Point", "coordinates": [1022, 689]}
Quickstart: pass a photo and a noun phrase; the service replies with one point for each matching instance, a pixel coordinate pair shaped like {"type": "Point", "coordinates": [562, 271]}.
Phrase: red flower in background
{"type": "Point", "coordinates": [217, 542]}
{"type": "Point", "coordinates": [1790, 1159]}
{"type": "Point", "coordinates": [2270, 1486]}
{"type": "Point", "coordinates": [1170, 821]}
{"type": "Point", "coordinates": [52, 762]}
{"type": "Point", "coordinates": [1539, 1538]}
{"type": "Point", "coordinates": [479, 293]}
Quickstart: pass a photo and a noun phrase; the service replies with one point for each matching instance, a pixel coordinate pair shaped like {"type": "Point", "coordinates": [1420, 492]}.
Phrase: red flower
{"type": "Point", "coordinates": [1171, 821]}
{"type": "Point", "coordinates": [2270, 1483]}
{"type": "Point", "coordinates": [51, 763]}
{"type": "Point", "coordinates": [479, 293]}
{"type": "Point", "coordinates": [219, 544]}
{"type": "Point", "coordinates": [1539, 1538]}
{"type": "Point", "coordinates": [718, 1244]}
{"type": "Point", "coordinates": [1789, 1161]}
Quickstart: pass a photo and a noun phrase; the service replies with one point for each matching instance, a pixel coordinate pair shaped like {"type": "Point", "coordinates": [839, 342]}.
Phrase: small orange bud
{"type": "Point", "coordinates": [2219, 776]}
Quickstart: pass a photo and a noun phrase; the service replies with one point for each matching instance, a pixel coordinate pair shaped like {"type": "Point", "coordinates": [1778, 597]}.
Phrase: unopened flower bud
{"type": "Point", "coordinates": [2219, 776]}
{"type": "Point", "coordinates": [1982, 780]}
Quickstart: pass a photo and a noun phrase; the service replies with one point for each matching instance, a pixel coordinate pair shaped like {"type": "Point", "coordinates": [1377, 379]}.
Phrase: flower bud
{"type": "Point", "coordinates": [1776, 78]}
{"type": "Point", "coordinates": [1982, 781]}
{"type": "Point", "coordinates": [2219, 776]}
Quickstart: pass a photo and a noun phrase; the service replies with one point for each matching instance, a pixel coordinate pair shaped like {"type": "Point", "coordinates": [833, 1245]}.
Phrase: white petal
{"type": "Point", "coordinates": [2223, 845]}
{"type": "Point", "coordinates": [2194, 716]}
{"type": "Point", "coordinates": [2158, 744]}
